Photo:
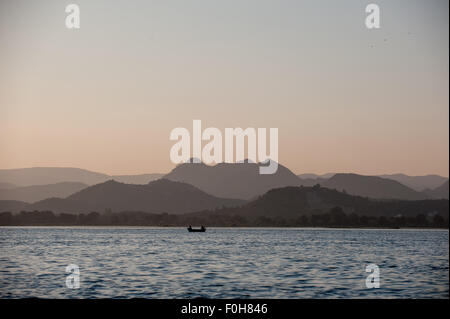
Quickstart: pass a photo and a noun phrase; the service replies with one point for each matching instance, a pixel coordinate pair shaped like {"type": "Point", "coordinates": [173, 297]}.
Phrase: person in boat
{"type": "Point", "coordinates": [190, 227]}
{"type": "Point", "coordinates": [202, 228]}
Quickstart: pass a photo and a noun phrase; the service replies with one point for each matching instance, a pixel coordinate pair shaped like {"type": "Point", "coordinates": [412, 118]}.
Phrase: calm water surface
{"type": "Point", "coordinates": [222, 263]}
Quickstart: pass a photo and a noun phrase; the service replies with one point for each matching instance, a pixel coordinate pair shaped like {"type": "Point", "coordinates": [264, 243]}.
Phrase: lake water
{"type": "Point", "coordinates": [223, 263]}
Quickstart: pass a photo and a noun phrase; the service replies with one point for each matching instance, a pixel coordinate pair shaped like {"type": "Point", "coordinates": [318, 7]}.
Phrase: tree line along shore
{"type": "Point", "coordinates": [335, 217]}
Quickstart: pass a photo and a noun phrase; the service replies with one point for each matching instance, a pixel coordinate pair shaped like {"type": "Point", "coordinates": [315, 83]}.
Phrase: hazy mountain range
{"type": "Point", "coordinates": [287, 206]}
{"type": "Point", "coordinates": [417, 183]}
{"type": "Point", "coordinates": [158, 196]}
{"type": "Point", "coordinates": [10, 178]}
{"type": "Point", "coordinates": [21, 187]}
{"type": "Point", "coordinates": [39, 192]}
{"type": "Point", "coordinates": [244, 181]}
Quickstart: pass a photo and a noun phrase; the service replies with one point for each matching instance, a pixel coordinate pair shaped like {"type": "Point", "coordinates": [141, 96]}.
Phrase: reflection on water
{"type": "Point", "coordinates": [223, 263]}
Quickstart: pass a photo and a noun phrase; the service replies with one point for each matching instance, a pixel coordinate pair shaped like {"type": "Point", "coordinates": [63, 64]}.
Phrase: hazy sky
{"type": "Point", "coordinates": [344, 98]}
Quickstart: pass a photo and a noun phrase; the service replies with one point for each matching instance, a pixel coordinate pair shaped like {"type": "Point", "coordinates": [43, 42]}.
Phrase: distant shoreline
{"type": "Point", "coordinates": [232, 217]}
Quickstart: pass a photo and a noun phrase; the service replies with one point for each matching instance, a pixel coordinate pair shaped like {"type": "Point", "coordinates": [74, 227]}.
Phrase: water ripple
{"type": "Point", "coordinates": [222, 263]}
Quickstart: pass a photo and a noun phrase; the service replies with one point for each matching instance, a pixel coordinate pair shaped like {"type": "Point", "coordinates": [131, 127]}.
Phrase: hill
{"type": "Point", "coordinates": [372, 186]}
{"type": "Point", "coordinates": [292, 202]}
{"type": "Point", "coordinates": [441, 192]}
{"type": "Point", "coordinates": [157, 196]}
{"type": "Point", "coordinates": [232, 180]}
{"type": "Point", "coordinates": [418, 183]}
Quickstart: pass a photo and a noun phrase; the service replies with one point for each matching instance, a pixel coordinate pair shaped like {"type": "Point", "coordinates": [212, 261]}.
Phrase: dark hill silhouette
{"type": "Point", "coordinates": [288, 206]}
{"type": "Point", "coordinates": [35, 193]}
{"type": "Point", "coordinates": [289, 201]}
{"type": "Point", "coordinates": [155, 197]}
{"type": "Point", "coordinates": [441, 192]}
{"type": "Point", "coordinates": [232, 180]}
{"type": "Point", "coordinates": [372, 186]}
{"type": "Point", "coordinates": [292, 202]}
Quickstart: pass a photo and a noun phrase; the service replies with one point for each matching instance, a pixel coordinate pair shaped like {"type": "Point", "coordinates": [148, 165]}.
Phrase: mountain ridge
{"type": "Point", "coordinates": [157, 196]}
{"type": "Point", "coordinates": [232, 180]}
{"type": "Point", "coordinates": [32, 176]}
{"type": "Point", "coordinates": [229, 180]}
{"type": "Point", "coordinates": [372, 186]}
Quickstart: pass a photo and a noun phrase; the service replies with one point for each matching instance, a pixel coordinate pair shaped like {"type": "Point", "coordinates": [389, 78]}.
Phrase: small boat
{"type": "Point", "coordinates": [196, 230]}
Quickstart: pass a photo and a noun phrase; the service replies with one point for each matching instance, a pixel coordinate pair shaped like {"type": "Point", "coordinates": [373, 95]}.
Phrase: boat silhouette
{"type": "Point", "coordinates": [196, 230]}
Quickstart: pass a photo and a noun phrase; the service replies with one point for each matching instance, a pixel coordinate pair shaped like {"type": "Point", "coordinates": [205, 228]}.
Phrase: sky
{"type": "Point", "coordinates": [344, 98]}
